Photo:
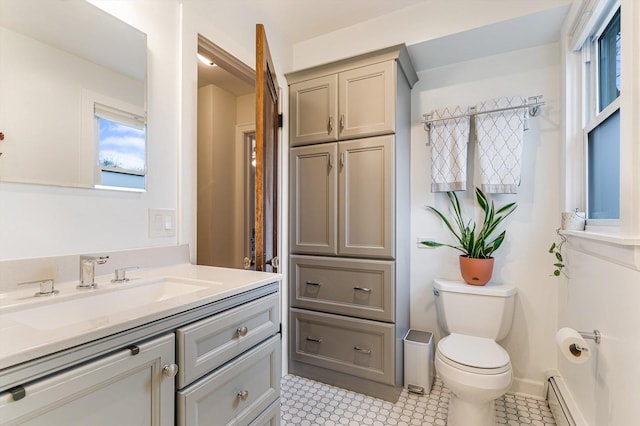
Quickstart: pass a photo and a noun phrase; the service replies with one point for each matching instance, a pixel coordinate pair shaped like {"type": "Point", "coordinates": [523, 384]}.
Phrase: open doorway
{"type": "Point", "coordinates": [226, 159]}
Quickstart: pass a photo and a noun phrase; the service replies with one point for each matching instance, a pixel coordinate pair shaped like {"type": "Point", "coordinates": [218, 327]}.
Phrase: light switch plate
{"type": "Point", "coordinates": [162, 223]}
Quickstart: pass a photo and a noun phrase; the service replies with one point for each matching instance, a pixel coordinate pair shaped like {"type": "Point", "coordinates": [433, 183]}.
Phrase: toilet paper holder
{"type": "Point", "coordinates": [576, 349]}
{"type": "Point", "coordinates": [596, 336]}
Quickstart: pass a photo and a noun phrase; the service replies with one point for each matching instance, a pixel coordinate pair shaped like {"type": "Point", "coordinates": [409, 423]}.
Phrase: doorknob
{"type": "Point", "coordinates": [274, 262]}
{"type": "Point", "coordinates": [248, 263]}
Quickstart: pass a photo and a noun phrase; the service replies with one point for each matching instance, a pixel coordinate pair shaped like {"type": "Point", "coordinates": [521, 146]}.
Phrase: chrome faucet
{"type": "Point", "coordinates": [87, 270]}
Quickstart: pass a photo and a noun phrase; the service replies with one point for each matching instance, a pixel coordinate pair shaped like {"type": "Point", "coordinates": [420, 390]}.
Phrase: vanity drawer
{"type": "Point", "coordinates": [205, 345]}
{"type": "Point", "coordinates": [358, 288]}
{"type": "Point", "coordinates": [235, 394]}
{"type": "Point", "coordinates": [269, 417]}
{"type": "Point", "coordinates": [349, 345]}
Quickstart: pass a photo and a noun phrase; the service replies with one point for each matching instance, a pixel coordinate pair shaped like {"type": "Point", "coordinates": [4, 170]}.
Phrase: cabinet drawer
{"type": "Point", "coordinates": [236, 393]}
{"type": "Point", "coordinates": [353, 346]}
{"type": "Point", "coordinates": [206, 344]}
{"type": "Point", "coordinates": [270, 416]}
{"type": "Point", "coordinates": [359, 288]}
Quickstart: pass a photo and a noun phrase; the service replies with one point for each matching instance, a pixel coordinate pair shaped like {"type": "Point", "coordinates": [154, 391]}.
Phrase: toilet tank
{"type": "Point", "coordinates": [482, 311]}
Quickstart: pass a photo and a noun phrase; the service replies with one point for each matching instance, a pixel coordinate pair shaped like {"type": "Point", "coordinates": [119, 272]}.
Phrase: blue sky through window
{"type": "Point", "coordinates": [121, 145]}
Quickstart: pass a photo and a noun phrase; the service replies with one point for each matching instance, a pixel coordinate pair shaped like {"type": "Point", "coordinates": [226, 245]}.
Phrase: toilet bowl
{"type": "Point", "coordinates": [469, 361]}
{"type": "Point", "coordinates": [477, 371]}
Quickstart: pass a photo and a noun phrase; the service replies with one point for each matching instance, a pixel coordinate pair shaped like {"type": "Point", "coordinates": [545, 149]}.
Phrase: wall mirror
{"type": "Point", "coordinates": [72, 96]}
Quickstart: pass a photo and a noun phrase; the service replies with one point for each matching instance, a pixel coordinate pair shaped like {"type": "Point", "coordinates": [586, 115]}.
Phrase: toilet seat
{"type": "Point", "coordinates": [473, 354]}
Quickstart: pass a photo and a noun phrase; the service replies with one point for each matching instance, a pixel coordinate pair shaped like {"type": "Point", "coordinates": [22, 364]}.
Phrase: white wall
{"type": "Point", "coordinates": [44, 221]}
{"type": "Point", "coordinates": [523, 260]}
{"type": "Point", "coordinates": [604, 296]}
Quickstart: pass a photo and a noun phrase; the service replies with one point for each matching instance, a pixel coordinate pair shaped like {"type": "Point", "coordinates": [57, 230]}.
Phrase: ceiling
{"type": "Point", "coordinates": [325, 16]}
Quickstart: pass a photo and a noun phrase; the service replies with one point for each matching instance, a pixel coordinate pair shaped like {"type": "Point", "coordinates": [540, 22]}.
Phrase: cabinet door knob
{"type": "Point", "coordinates": [170, 370]}
{"type": "Point", "coordinates": [243, 395]}
{"type": "Point", "coordinates": [242, 331]}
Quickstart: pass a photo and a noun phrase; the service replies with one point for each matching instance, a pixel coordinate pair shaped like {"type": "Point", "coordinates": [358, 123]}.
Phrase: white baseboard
{"type": "Point", "coordinates": [527, 387]}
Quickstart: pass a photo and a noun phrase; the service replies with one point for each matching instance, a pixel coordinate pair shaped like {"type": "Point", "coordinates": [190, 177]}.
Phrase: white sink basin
{"type": "Point", "coordinates": [95, 308]}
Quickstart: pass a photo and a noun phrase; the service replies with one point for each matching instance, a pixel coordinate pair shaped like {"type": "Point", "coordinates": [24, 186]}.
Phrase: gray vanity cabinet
{"type": "Point", "coordinates": [352, 103]}
{"type": "Point", "coordinates": [122, 388]}
{"type": "Point", "coordinates": [349, 221]}
{"type": "Point", "coordinates": [342, 198]}
{"type": "Point", "coordinates": [215, 364]}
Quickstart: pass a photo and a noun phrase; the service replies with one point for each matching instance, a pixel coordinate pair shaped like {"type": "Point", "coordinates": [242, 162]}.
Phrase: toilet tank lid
{"type": "Point", "coordinates": [490, 289]}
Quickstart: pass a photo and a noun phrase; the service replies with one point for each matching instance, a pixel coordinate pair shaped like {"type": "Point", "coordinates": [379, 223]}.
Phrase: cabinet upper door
{"type": "Point", "coordinates": [366, 198]}
{"type": "Point", "coordinates": [313, 107]}
{"type": "Point", "coordinates": [312, 189]}
{"type": "Point", "coordinates": [367, 100]}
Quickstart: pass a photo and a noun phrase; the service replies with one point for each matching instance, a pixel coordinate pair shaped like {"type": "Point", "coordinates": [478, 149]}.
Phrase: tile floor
{"type": "Point", "coordinates": [306, 402]}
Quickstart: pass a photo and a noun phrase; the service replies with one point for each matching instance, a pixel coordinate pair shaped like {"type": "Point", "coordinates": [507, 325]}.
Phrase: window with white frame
{"type": "Point", "coordinates": [121, 138]}
{"type": "Point", "coordinates": [601, 112]}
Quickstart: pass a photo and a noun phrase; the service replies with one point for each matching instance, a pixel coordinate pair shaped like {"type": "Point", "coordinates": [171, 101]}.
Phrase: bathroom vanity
{"type": "Point", "coordinates": [182, 345]}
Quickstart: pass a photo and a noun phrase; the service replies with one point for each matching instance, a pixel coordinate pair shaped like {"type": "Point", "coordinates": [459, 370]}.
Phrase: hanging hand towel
{"type": "Point", "coordinates": [449, 139]}
{"type": "Point", "coordinates": [500, 136]}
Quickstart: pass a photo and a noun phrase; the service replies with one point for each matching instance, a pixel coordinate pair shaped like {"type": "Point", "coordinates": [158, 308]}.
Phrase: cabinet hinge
{"type": "Point", "coordinates": [280, 330]}
{"type": "Point", "coordinates": [18, 393]}
{"type": "Point", "coordinates": [280, 120]}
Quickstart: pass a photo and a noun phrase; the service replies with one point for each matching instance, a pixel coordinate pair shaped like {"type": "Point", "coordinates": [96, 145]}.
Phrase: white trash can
{"type": "Point", "coordinates": [418, 361]}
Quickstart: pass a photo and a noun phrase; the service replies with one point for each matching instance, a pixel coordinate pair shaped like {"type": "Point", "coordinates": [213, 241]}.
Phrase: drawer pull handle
{"type": "Point", "coordinates": [368, 290]}
{"type": "Point", "coordinates": [361, 350]}
{"type": "Point", "coordinates": [242, 331]}
{"type": "Point", "coordinates": [170, 370]}
{"type": "Point", "coordinates": [314, 283]}
{"type": "Point", "coordinates": [311, 339]}
{"type": "Point", "coordinates": [243, 395]}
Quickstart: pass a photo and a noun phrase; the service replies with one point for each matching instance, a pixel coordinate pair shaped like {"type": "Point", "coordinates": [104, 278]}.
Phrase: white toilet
{"type": "Point", "coordinates": [469, 361]}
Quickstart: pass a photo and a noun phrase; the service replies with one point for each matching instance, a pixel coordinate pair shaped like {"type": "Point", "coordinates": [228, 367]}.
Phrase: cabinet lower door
{"type": "Point", "coordinates": [312, 190]}
{"type": "Point", "coordinates": [236, 393]}
{"type": "Point", "coordinates": [118, 389]}
{"type": "Point", "coordinates": [366, 198]}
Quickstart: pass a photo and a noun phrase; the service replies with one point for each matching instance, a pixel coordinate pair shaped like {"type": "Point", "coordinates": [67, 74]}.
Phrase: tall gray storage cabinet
{"type": "Point", "coordinates": [349, 221]}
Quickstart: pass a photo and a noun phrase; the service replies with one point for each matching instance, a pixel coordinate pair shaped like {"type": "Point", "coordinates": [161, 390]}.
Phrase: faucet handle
{"type": "Point", "coordinates": [46, 287]}
{"type": "Point", "coordinates": [120, 276]}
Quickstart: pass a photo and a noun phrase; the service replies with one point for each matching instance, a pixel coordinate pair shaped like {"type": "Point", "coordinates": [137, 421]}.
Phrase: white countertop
{"type": "Point", "coordinates": [32, 327]}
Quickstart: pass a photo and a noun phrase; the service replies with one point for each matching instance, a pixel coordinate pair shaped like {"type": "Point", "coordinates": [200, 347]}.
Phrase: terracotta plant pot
{"type": "Point", "coordinates": [476, 271]}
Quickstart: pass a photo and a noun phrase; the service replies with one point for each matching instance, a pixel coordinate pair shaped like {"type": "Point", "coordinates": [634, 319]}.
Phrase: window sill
{"type": "Point", "coordinates": [623, 250]}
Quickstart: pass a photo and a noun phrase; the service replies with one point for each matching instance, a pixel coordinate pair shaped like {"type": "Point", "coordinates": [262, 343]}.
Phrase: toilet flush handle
{"type": "Point", "coordinates": [436, 292]}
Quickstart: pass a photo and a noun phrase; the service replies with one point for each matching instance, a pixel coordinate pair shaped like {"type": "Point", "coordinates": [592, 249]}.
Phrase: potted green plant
{"type": "Point", "coordinates": [477, 243]}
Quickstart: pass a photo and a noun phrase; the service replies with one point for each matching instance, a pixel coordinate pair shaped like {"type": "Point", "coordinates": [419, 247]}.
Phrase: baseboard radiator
{"type": "Point", "coordinates": [562, 404]}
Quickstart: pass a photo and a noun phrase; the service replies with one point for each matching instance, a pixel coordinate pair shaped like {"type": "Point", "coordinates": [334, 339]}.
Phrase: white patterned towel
{"type": "Point", "coordinates": [500, 136]}
{"type": "Point", "coordinates": [449, 139]}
